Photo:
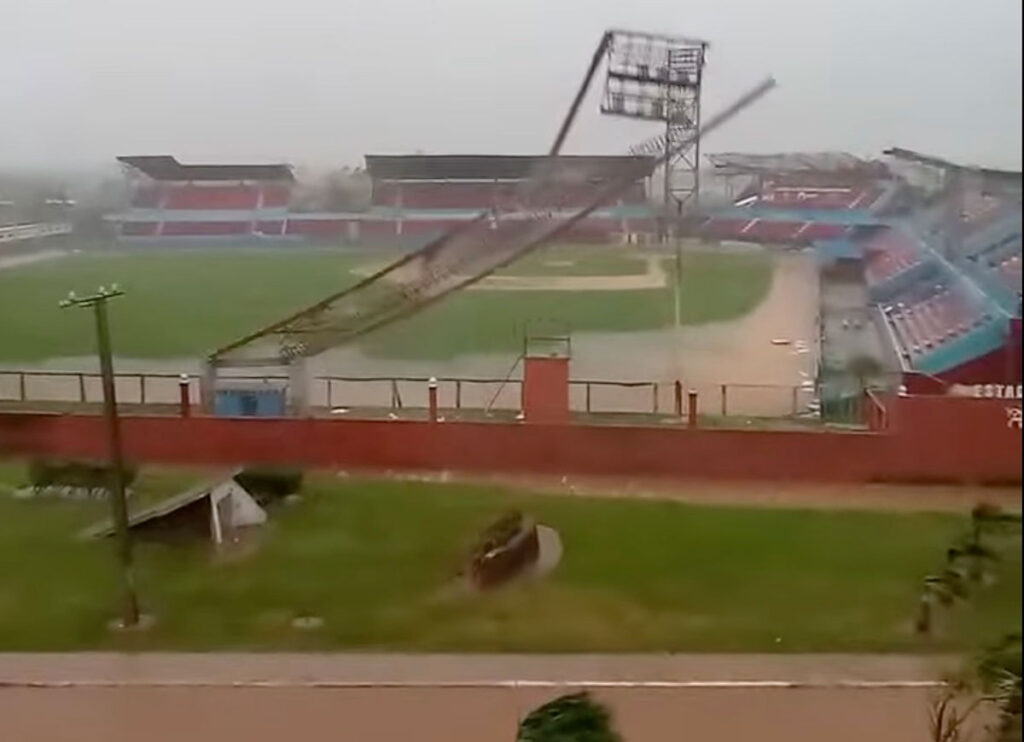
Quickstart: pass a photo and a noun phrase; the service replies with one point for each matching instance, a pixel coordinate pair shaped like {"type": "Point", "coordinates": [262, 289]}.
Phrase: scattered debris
{"type": "Point", "coordinates": [216, 509]}
{"type": "Point", "coordinates": [307, 623]}
{"type": "Point", "coordinates": [145, 623]}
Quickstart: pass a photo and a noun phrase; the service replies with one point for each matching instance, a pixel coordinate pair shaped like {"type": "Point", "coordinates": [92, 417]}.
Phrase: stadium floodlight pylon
{"type": "Point", "coordinates": [659, 78]}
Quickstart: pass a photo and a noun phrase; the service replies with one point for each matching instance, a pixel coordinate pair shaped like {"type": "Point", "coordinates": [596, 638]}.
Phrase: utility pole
{"type": "Point", "coordinates": [118, 502]}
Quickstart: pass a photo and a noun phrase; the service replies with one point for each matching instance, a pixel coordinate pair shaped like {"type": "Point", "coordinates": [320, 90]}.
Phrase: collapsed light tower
{"type": "Point", "coordinates": [659, 78]}
{"type": "Point", "coordinates": [465, 254]}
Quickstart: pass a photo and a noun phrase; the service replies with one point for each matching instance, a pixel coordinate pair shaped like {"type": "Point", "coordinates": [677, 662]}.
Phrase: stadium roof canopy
{"type": "Point", "coordinates": [1003, 177]}
{"type": "Point", "coordinates": [167, 168]}
{"type": "Point", "coordinates": [487, 167]}
{"type": "Point", "coordinates": [791, 162]}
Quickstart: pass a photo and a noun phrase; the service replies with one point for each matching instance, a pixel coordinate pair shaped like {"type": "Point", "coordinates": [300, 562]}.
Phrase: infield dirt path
{"type": "Point", "coordinates": [444, 698]}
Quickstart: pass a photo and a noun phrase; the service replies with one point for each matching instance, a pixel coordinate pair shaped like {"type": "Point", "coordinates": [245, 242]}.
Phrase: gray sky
{"type": "Point", "coordinates": [322, 82]}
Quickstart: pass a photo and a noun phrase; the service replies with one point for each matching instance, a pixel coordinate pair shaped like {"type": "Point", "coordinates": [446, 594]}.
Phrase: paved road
{"type": "Point", "coordinates": [444, 698]}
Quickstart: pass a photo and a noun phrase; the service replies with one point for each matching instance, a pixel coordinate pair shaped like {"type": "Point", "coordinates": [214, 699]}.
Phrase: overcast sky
{"type": "Point", "coordinates": [322, 82]}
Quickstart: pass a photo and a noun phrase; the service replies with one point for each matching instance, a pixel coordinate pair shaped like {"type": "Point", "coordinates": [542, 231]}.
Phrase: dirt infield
{"type": "Point", "coordinates": [653, 278]}
{"type": "Point", "coordinates": [174, 697]}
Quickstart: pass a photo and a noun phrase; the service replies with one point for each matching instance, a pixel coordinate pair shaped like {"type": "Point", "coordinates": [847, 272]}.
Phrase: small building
{"type": "Point", "coordinates": [216, 510]}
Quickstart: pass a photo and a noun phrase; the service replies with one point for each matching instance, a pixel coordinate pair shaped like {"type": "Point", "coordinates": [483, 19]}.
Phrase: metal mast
{"type": "Point", "coordinates": [659, 78]}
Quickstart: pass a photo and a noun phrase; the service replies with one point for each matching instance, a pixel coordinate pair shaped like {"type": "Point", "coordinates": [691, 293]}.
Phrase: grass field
{"type": "Point", "coordinates": [185, 304]}
{"type": "Point", "coordinates": [376, 560]}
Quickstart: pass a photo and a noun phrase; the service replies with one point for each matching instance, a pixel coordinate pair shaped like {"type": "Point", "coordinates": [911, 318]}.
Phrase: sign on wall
{"type": "Point", "coordinates": [987, 391]}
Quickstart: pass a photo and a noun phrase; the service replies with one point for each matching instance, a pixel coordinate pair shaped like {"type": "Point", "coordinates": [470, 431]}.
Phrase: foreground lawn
{"type": "Point", "coordinates": [376, 560]}
{"type": "Point", "coordinates": [188, 303]}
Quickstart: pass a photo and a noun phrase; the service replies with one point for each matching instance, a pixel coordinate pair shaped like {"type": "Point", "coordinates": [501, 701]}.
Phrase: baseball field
{"type": "Point", "coordinates": [185, 303]}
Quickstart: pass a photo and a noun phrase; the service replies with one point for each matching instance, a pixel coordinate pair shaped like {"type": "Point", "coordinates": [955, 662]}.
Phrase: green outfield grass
{"type": "Point", "coordinates": [714, 288]}
{"type": "Point", "coordinates": [376, 560]}
{"type": "Point", "coordinates": [185, 304]}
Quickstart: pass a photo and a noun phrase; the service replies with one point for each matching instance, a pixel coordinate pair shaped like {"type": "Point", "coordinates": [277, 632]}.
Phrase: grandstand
{"type": "Point", "coordinates": [947, 296]}
{"type": "Point", "coordinates": [173, 200]}
{"type": "Point", "coordinates": [428, 194]}
{"type": "Point", "coordinates": [415, 197]}
{"type": "Point", "coordinates": [926, 281]}
{"type": "Point", "coordinates": [798, 198]}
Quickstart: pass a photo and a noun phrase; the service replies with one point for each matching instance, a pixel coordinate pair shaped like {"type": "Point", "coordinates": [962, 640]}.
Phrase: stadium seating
{"type": "Point", "coordinates": [146, 198]}
{"type": "Point", "coordinates": [139, 229]}
{"type": "Point", "coordinates": [1008, 270]}
{"type": "Point", "coordinates": [378, 229]}
{"type": "Point", "coordinates": [447, 196]}
{"type": "Point", "coordinates": [270, 227]}
{"type": "Point", "coordinates": [204, 229]}
{"type": "Point", "coordinates": [426, 226]}
{"type": "Point", "coordinates": [813, 231]}
{"type": "Point", "coordinates": [211, 197]}
{"type": "Point", "coordinates": [834, 198]}
{"type": "Point", "coordinates": [324, 228]}
{"type": "Point", "coordinates": [763, 230]}
{"type": "Point", "coordinates": [725, 229]}
{"type": "Point", "coordinates": [276, 196]}
{"type": "Point", "coordinates": [889, 253]}
{"type": "Point", "coordinates": [922, 324]}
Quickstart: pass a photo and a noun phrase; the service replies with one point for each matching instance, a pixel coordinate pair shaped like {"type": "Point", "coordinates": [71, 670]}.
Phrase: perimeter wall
{"type": "Point", "coordinates": [918, 439]}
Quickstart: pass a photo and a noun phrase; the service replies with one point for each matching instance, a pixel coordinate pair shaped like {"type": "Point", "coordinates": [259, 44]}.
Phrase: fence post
{"type": "Point", "coordinates": [432, 398]}
{"type": "Point", "coordinates": [588, 397]}
{"type": "Point", "coordinates": [692, 408]}
{"type": "Point", "coordinates": [796, 401]}
{"type": "Point", "coordinates": [458, 394]}
{"type": "Point", "coordinates": [81, 388]}
{"type": "Point", "coordinates": [330, 394]}
{"type": "Point", "coordinates": [654, 397]}
{"type": "Point", "coordinates": [725, 397]}
{"type": "Point", "coordinates": [184, 403]}
{"type": "Point", "coordinates": [142, 389]}
{"type": "Point", "coordinates": [679, 398]}
{"type": "Point", "coordinates": [21, 386]}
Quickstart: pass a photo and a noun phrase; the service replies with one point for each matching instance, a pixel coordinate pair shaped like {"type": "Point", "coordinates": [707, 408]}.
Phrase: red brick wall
{"type": "Point", "coordinates": [930, 439]}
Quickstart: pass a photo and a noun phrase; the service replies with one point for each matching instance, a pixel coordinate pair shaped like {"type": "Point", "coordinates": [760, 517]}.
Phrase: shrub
{"type": "Point", "coordinates": [266, 483]}
{"type": "Point", "coordinates": [70, 473]}
{"type": "Point", "coordinates": [573, 717]}
{"type": "Point", "coordinates": [498, 534]}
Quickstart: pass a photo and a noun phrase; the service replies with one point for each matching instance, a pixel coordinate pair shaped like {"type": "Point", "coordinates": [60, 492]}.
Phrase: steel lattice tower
{"type": "Point", "coordinates": [659, 78]}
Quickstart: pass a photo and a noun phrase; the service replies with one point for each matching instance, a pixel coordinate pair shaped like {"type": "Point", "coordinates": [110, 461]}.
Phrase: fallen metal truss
{"type": "Point", "coordinates": [470, 252]}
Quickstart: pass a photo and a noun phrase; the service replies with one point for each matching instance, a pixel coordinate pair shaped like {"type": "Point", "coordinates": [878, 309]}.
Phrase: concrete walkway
{"type": "Point", "coordinates": [303, 670]}
{"type": "Point", "coordinates": [105, 697]}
